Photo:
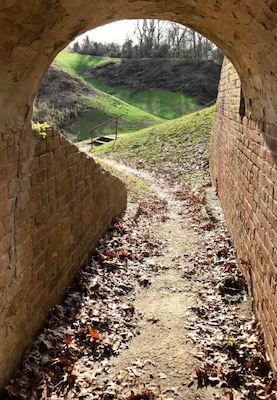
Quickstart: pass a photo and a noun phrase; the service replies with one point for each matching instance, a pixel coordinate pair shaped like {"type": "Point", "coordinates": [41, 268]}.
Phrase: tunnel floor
{"type": "Point", "coordinates": [161, 311]}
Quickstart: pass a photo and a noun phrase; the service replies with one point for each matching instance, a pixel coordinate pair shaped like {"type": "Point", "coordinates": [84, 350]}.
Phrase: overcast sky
{"type": "Point", "coordinates": [114, 32]}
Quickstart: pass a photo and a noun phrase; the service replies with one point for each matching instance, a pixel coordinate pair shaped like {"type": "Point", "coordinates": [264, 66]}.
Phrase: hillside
{"type": "Point", "coordinates": [178, 148]}
{"type": "Point", "coordinates": [194, 78]}
{"type": "Point", "coordinates": [73, 106]}
{"type": "Point", "coordinates": [80, 92]}
{"type": "Point", "coordinates": [160, 102]}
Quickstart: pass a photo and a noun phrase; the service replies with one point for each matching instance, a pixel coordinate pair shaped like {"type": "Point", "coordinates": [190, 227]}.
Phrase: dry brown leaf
{"type": "Point", "coordinates": [94, 334]}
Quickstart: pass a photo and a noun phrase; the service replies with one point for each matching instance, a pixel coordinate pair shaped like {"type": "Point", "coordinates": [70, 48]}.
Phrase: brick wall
{"type": "Point", "coordinates": [55, 204]}
{"type": "Point", "coordinates": [244, 170]}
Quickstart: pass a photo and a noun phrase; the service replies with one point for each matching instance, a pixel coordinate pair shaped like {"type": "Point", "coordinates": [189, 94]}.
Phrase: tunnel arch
{"type": "Point", "coordinates": [245, 32]}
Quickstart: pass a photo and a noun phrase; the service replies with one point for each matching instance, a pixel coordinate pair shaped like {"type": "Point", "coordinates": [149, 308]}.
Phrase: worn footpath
{"type": "Point", "coordinates": [161, 311]}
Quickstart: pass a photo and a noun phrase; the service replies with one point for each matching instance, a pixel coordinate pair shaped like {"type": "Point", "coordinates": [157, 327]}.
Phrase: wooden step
{"type": "Point", "coordinates": [102, 140]}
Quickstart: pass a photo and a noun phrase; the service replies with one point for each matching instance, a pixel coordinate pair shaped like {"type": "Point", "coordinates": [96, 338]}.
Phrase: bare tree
{"type": "Point", "coordinates": [127, 49]}
{"type": "Point", "coordinates": [155, 38]}
{"type": "Point", "coordinates": [178, 41]}
{"type": "Point", "coordinates": [150, 35]}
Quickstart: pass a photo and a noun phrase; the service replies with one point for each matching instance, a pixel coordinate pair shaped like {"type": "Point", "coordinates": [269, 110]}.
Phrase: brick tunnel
{"type": "Point", "coordinates": [56, 202]}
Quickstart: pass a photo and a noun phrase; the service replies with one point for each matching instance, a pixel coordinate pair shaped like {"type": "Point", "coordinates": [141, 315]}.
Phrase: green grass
{"type": "Point", "coordinates": [135, 187]}
{"type": "Point", "coordinates": [102, 106]}
{"type": "Point", "coordinates": [160, 102]}
{"type": "Point", "coordinates": [132, 115]}
{"type": "Point", "coordinates": [178, 145]}
{"type": "Point", "coordinates": [105, 107]}
{"type": "Point", "coordinates": [77, 64]}
{"type": "Point", "coordinates": [163, 103]}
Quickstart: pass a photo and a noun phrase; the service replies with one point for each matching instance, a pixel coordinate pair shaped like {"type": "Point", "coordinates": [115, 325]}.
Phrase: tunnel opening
{"type": "Point", "coordinates": [29, 48]}
{"type": "Point", "coordinates": [165, 71]}
{"type": "Point", "coordinates": [87, 320]}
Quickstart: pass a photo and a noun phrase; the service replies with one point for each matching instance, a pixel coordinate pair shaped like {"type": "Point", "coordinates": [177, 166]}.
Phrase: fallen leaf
{"type": "Point", "coordinates": [64, 361]}
{"type": "Point", "coordinates": [68, 339]}
{"type": "Point", "coordinates": [94, 334]}
{"type": "Point", "coordinates": [146, 395]}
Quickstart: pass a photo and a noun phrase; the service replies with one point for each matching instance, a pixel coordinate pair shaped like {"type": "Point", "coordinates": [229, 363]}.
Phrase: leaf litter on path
{"type": "Point", "coordinates": [224, 352]}
{"type": "Point", "coordinates": [70, 357]}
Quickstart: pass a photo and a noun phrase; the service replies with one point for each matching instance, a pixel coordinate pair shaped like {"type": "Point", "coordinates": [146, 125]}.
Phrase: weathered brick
{"type": "Point", "coordinates": [271, 142]}
{"type": "Point", "coordinates": [5, 243]}
{"type": "Point", "coordinates": [61, 177]}
{"type": "Point", "coordinates": [4, 191]}
{"type": "Point", "coordinates": [6, 207]}
{"type": "Point", "coordinates": [40, 147]}
{"type": "Point", "coordinates": [46, 159]}
{"type": "Point", "coordinates": [42, 216]}
{"type": "Point", "coordinates": [244, 166]}
{"type": "Point", "coordinates": [8, 139]}
{"type": "Point", "coordinates": [25, 263]}
{"type": "Point", "coordinates": [7, 173]}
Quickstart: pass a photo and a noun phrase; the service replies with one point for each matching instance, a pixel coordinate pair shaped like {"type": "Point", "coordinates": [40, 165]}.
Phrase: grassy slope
{"type": "Point", "coordinates": [177, 146]}
{"type": "Point", "coordinates": [135, 187]}
{"type": "Point", "coordinates": [101, 106]}
{"type": "Point", "coordinates": [77, 64]}
{"type": "Point", "coordinates": [161, 103]}
{"type": "Point", "coordinates": [74, 107]}
{"type": "Point", "coordinates": [105, 107]}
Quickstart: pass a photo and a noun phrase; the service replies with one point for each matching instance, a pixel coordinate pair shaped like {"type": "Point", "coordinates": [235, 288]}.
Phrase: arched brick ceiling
{"type": "Point", "coordinates": [33, 32]}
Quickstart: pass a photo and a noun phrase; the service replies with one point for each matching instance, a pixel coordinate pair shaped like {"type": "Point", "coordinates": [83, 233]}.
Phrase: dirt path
{"type": "Point", "coordinates": [166, 355]}
{"type": "Point", "coordinates": [160, 313]}
{"type": "Point", "coordinates": [197, 261]}
{"type": "Point", "coordinates": [162, 354]}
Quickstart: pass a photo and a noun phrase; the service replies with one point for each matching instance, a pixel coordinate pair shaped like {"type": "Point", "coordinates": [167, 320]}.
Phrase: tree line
{"type": "Point", "coordinates": [154, 39]}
